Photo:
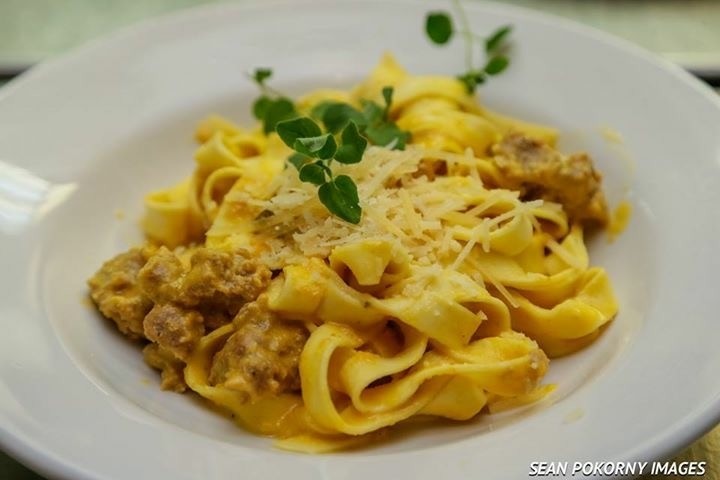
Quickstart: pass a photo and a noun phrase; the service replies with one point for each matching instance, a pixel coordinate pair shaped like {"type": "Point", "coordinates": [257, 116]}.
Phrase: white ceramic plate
{"type": "Point", "coordinates": [90, 133]}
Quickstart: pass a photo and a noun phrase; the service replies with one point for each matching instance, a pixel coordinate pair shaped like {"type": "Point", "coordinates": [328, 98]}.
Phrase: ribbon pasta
{"type": "Point", "coordinates": [448, 297]}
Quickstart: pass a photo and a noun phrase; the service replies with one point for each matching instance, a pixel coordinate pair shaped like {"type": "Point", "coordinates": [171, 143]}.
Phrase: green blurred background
{"type": "Point", "coordinates": [687, 31]}
{"type": "Point", "coordinates": [684, 31]}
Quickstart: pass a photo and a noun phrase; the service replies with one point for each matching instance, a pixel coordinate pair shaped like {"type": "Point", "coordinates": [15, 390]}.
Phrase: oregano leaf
{"type": "Point", "coordinates": [439, 27]}
{"type": "Point", "coordinates": [312, 173]}
{"type": "Point", "coordinates": [353, 145]}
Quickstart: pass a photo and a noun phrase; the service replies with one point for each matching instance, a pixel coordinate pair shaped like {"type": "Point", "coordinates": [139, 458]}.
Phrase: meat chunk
{"type": "Point", "coordinates": [173, 298]}
{"type": "Point", "coordinates": [215, 318]}
{"type": "Point", "coordinates": [540, 172]}
{"type": "Point", "coordinates": [114, 289]}
{"type": "Point", "coordinates": [175, 329]}
{"type": "Point", "coordinates": [263, 354]}
{"type": "Point", "coordinates": [161, 277]}
{"type": "Point", "coordinates": [212, 280]}
{"type": "Point", "coordinates": [171, 369]}
{"type": "Point", "coordinates": [220, 278]}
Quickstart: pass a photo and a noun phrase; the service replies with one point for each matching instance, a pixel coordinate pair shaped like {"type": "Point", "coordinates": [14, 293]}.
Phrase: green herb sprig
{"type": "Point", "coordinates": [272, 106]}
{"type": "Point", "coordinates": [314, 153]}
{"type": "Point", "coordinates": [373, 121]}
{"type": "Point", "coordinates": [440, 29]}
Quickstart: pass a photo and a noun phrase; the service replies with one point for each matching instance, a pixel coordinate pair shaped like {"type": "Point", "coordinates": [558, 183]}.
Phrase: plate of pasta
{"type": "Point", "coordinates": [358, 239]}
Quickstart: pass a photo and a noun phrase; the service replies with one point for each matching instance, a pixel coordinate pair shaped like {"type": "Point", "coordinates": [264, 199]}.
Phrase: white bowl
{"type": "Point", "coordinates": [89, 133]}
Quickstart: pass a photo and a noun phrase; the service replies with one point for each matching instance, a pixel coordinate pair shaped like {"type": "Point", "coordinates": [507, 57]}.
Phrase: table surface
{"type": "Point", "coordinates": [685, 31]}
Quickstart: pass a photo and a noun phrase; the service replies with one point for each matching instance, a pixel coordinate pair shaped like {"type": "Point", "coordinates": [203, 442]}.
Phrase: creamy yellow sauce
{"type": "Point", "coordinates": [612, 135]}
{"type": "Point", "coordinates": [619, 220]}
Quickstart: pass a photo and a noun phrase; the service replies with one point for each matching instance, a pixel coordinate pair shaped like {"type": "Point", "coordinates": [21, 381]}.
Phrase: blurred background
{"type": "Point", "coordinates": [684, 31]}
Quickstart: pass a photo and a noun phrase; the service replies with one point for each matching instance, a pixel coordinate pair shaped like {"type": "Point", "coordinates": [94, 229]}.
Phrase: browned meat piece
{"type": "Point", "coordinates": [539, 171]}
{"type": "Point", "coordinates": [175, 329]}
{"type": "Point", "coordinates": [171, 369]}
{"type": "Point", "coordinates": [174, 298]}
{"type": "Point", "coordinates": [114, 290]}
{"type": "Point", "coordinates": [215, 318]}
{"type": "Point", "coordinates": [220, 280]}
{"type": "Point", "coordinates": [263, 354]}
{"type": "Point", "coordinates": [161, 277]}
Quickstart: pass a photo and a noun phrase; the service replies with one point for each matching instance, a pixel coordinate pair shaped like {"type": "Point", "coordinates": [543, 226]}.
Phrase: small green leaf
{"type": "Point", "coordinates": [387, 135]}
{"type": "Point", "coordinates": [321, 146]}
{"type": "Point", "coordinates": [260, 107]}
{"type": "Point", "coordinates": [297, 160]}
{"type": "Point", "coordinates": [336, 116]}
{"type": "Point", "coordinates": [472, 79]}
{"type": "Point", "coordinates": [470, 84]}
{"type": "Point", "coordinates": [339, 199]}
{"type": "Point", "coordinates": [277, 111]}
{"type": "Point", "coordinates": [372, 112]}
{"type": "Point", "coordinates": [261, 74]}
{"type": "Point", "coordinates": [318, 111]}
{"type": "Point", "coordinates": [301, 127]}
{"type": "Point", "coordinates": [353, 145]}
{"type": "Point", "coordinates": [496, 65]}
{"type": "Point", "coordinates": [311, 144]}
{"type": "Point", "coordinates": [439, 27]}
{"type": "Point", "coordinates": [387, 93]}
{"type": "Point", "coordinates": [312, 173]}
{"type": "Point", "coordinates": [348, 188]}
{"type": "Point", "coordinates": [494, 41]}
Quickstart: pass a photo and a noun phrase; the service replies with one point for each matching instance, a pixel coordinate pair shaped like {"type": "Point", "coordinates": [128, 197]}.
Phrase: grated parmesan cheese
{"type": "Point", "coordinates": [439, 221]}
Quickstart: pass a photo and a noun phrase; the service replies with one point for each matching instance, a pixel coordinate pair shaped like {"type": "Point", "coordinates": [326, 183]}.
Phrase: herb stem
{"type": "Point", "coordinates": [465, 32]}
{"type": "Point", "coordinates": [265, 89]}
{"type": "Point", "coordinates": [475, 37]}
{"type": "Point", "coordinates": [269, 91]}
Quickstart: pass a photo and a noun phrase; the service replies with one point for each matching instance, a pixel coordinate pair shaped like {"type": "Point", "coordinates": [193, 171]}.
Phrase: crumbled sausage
{"type": "Point", "coordinates": [222, 280]}
{"type": "Point", "coordinates": [540, 172]}
{"type": "Point", "coordinates": [161, 277]}
{"type": "Point", "coordinates": [171, 369]}
{"type": "Point", "coordinates": [175, 329]}
{"type": "Point", "coordinates": [215, 318]}
{"type": "Point", "coordinates": [115, 291]}
{"type": "Point", "coordinates": [263, 354]}
{"type": "Point", "coordinates": [173, 298]}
